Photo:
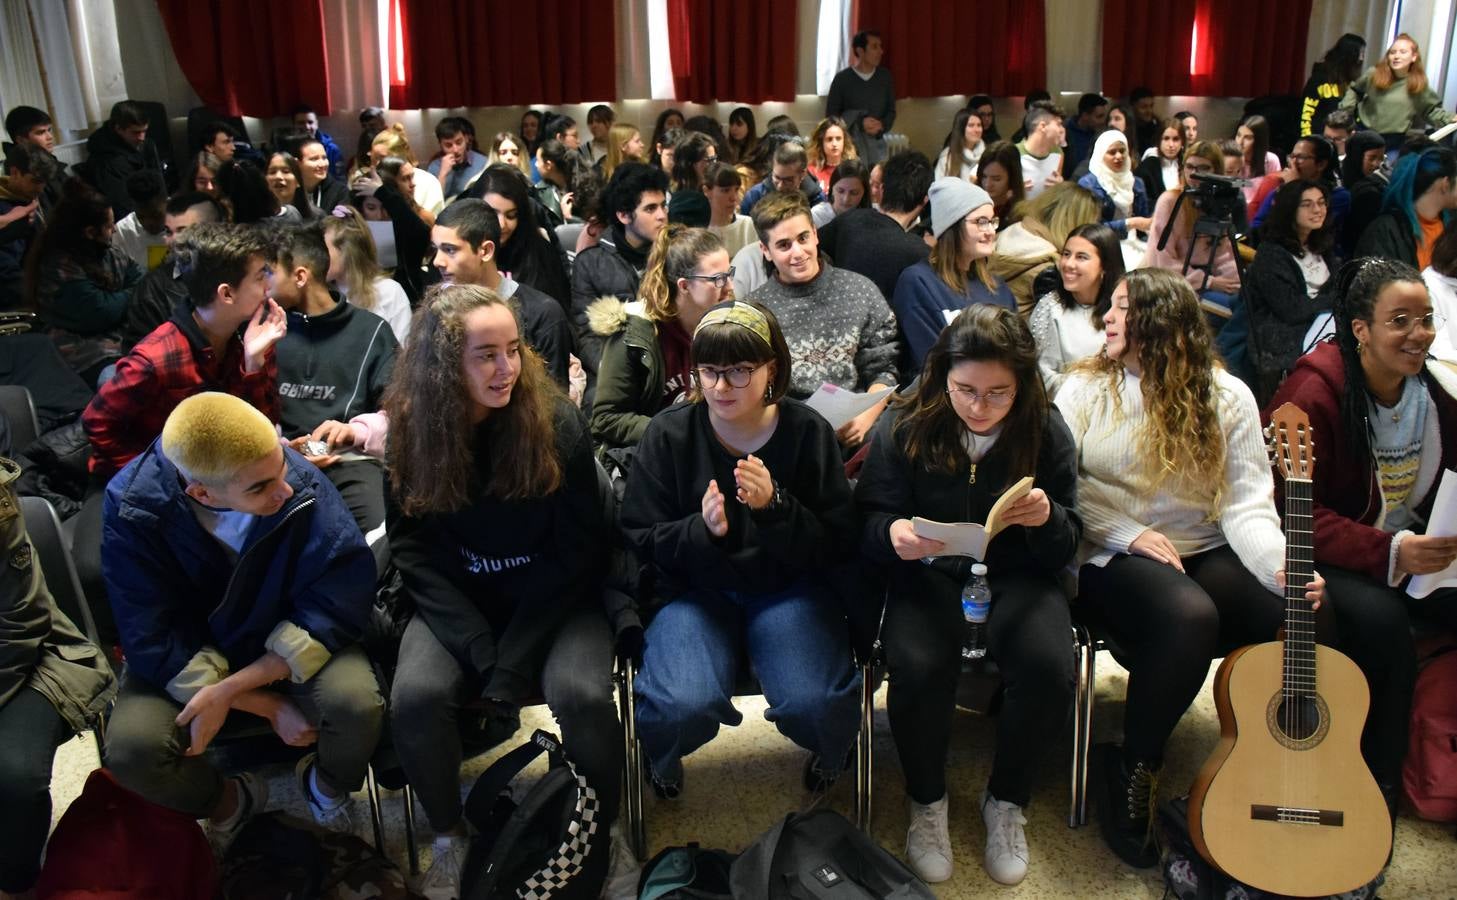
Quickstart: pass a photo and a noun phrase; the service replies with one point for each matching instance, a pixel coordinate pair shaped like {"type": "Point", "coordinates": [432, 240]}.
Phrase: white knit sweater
{"type": "Point", "coordinates": [1117, 505]}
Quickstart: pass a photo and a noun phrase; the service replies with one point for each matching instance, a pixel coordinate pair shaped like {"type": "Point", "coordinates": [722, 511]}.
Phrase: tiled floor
{"type": "Point", "coordinates": [748, 778]}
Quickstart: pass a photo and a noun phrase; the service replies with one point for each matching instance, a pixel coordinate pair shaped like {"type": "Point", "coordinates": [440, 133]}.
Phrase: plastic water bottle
{"type": "Point", "coordinates": [976, 603]}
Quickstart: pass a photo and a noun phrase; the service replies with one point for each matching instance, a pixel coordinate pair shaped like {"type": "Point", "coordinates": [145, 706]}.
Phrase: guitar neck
{"type": "Point", "coordinates": [1299, 674]}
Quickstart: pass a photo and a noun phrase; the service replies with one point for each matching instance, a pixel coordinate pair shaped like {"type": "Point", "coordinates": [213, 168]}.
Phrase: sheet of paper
{"type": "Point", "coordinates": [384, 243]}
{"type": "Point", "coordinates": [1442, 524]}
{"type": "Point", "coordinates": [960, 538]}
{"type": "Point", "coordinates": [839, 405]}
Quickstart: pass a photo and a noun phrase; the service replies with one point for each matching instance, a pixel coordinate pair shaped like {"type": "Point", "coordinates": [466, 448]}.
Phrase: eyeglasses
{"type": "Point", "coordinates": [719, 280]}
{"type": "Point", "coordinates": [786, 183]}
{"type": "Point", "coordinates": [1403, 323]}
{"type": "Point", "coordinates": [984, 224]}
{"type": "Point", "coordinates": [736, 376]}
{"type": "Point", "coordinates": [1197, 169]}
{"type": "Point", "coordinates": [993, 399]}
{"type": "Point", "coordinates": [1300, 157]}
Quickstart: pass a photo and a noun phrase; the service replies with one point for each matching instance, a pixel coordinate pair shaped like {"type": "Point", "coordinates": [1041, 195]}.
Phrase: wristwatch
{"type": "Point", "coordinates": [777, 500]}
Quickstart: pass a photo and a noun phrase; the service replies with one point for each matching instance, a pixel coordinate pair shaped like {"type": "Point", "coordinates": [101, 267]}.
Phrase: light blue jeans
{"type": "Point", "coordinates": [798, 645]}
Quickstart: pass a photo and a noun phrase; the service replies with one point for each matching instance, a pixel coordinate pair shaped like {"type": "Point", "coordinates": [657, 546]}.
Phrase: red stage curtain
{"type": "Point", "coordinates": [239, 65]}
{"type": "Point", "coordinates": [738, 50]}
{"type": "Point", "coordinates": [470, 53]}
{"type": "Point", "coordinates": [1146, 43]}
{"type": "Point", "coordinates": [939, 47]}
{"type": "Point", "coordinates": [1238, 60]}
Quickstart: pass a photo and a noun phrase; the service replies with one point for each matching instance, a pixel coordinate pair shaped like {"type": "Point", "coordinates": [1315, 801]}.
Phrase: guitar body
{"type": "Point", "coordinates": [1301, 817]}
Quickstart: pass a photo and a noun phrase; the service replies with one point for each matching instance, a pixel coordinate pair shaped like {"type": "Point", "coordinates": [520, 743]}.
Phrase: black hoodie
{"type": "Point", "coordinates": [110, 161]}
{"type": "Point", "coordinates": [332, 366]}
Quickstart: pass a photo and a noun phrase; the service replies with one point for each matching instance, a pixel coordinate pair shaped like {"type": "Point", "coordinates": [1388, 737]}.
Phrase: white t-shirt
{"type": "Point", "coordinates": [134, 240]}
{"type": "Point", "coordinates": [1035, 172]}
{"type": "Point", "coordinates": [737, 234]}
{"type": "Point", "coordinates": [428, 193]}
{"type": "Point", "coordinates": [390, 304]}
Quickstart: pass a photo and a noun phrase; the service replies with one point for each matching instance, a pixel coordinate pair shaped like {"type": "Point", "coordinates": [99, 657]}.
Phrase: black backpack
{"type": "Point", "coordinates": [535, 848]}
{"type": "Point", "coordinates": [819, 854]}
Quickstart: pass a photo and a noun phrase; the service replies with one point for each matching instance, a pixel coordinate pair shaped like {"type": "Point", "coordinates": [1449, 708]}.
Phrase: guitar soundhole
{"type": "Point", "coordinates": [1299, 723]}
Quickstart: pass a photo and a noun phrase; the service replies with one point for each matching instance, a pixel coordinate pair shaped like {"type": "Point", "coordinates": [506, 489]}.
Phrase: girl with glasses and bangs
{"type": "Point", "coordinates": [1384, 419]}
{"type": "Point", "coordinates": [1182, 555]}
{"type": "Point", "coordinates": [645, 360]}
{"type": "Point", "coordinates": [738, 502]}
{"type": "Point", "coordinates": [979, 421]}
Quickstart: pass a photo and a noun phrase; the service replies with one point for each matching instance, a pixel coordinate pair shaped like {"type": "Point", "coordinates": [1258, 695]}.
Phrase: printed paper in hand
{"type": "Point", "coordinates": [839, 406]}
{"type": "Point", "coordinates": [966, 538]}
{"type": "Point", "coordinates": [1442, 524]}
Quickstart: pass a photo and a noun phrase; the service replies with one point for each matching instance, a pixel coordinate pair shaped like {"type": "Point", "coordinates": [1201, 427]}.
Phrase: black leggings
{"type": "Point", "coordinates": [1374, 627]}
{"type": "Point", "coordinates": [1029, 634]}
{"type": "Point", "coordinates": [1171, 625]}
{"type": "Point", "coordinates": [30, 732]}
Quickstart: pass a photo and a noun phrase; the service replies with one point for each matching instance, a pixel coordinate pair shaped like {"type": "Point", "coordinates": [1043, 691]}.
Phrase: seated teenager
{"type": "Point", "coordinates": [981, 409]}
{"type": "Point", "coordinates": [1032, 243]}
{"type": "Point", "coordinates": [161, 291]}
{"type": "Point", "coordinates": [466, 239]}
{"type": "Point", "coordinates": [837, 324]}
{"type": "Point", "coordinates": [962, 150]}
{"type": "Point", "coordinates": [458, 165]}
{"type": "Point", "coordinates": [497, 529]}
{"type": "Point", "coordinates": [1182, 553]}
{"type": "Point", "coordinates": [828, 146]}
{"type": "Point", "coordinates": [849, 189]}
{"type": "Point", "coordinates": [622, 143]}
{"type": "Point", "coordinates": [789, 173]}
{"type": "Point", "coordinates": [244, 190]}
{"type": "Point", "coordinates": [882, 242]}
{"type": "Point", "coordinates": [1159, 170]}
{"type": "Point", "coordinates": [691, 158]}
{"type": "Point", "coordinates": [739, 504]}
{"type": "Point", "coordinates": [1121, 195]}
{"type": "Point", "coordinates": [1360, 174]}
{"type": "Point", "coordinates": [355, 272]}
{"type": "Point", "coordinates": [323, 190]}
{"type": "Point", "coordinates": [645, 366]}
{"type": "Point", "coordinates": [285, 180]}
{"type": "Point", "coordinates": [29, 177]}
{"type": "Point", "coordinates": [226, 271]}
{"type": "Point", "coordinates": [1222, 284]}
{"type": "Point", "coordinates": [140, 235]}
{"type": "Point", "coordinates": [1313, 159]}
{"type": "Point", "coordinates": [333, 365]}
{"type": "Point", "coordinates": [425, 187]}
{"type": "Point", "coordinates": [1290, 281]}
{"type": "Point", "coordinates": [526, 251]}
{"type": "Point", "coordinates": [1385, 419]}
{"type": "Point", "coordinates": [79, 283]}
{"type": "Point", "coordinates": [1000, 174]}
{"type": "Point", "coordinates": [239, 583]}
{"type": "Point", "coordinates": [724, 185]}
{"type": "Point", "coordinates": [54, 683]}
{"type": "Point", "coordinates": [1422, 189]}
{"type": "Point", "coordinates": [1068, 323]}
{"type": "Point", "coordinates": [557, 167]}
{"type": "Point", "coordinates": [507, 148]}
{"type": "Point", "coordinates": [1441, 280]}
{"type": "Point", "coordinates": [930, 294]}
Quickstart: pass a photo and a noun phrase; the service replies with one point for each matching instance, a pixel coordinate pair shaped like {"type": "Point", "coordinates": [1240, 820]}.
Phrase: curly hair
{"type": "Point", "coordinates": [815, 149]}
{"type": "Point", "coordinates": [1180, 432]}
{"type": "Point", "coordinates": [433, 447]}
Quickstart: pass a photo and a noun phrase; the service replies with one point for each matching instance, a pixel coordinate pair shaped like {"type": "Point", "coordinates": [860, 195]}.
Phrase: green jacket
{"type": "Point", "coordinates": [1394, 111]}
{"type": "Point", "coordinates": [630, 376]}
{"type": "Point", "coordinates": [41, 648]}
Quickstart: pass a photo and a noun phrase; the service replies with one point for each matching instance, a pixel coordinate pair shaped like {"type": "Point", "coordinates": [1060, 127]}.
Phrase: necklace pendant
{"type": "Point", "coordinates": [1396, 417]}
{"type": "Point", "coordinates": [972, 479]}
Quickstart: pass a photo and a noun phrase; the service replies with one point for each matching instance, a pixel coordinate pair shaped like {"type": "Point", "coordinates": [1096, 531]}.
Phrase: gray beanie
{"type": "Point", "coordinates": [951, 200]}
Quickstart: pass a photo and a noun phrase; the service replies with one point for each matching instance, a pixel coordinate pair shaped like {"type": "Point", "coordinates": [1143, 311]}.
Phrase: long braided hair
{"type": "Point", "coordinates": [1359, 284]}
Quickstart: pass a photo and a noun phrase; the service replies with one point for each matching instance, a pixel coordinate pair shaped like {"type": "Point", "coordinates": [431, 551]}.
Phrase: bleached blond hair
{"type": "Point", "coordinates": [212, 436]}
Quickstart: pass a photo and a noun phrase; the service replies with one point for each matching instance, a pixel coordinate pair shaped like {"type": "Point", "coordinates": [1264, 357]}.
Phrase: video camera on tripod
{"type": "Point", "coordinates": [1220, 203]}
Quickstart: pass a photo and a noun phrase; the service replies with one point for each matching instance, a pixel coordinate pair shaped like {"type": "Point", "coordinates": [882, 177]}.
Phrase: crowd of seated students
{"type": "Point", "coordinates": [252, 358]}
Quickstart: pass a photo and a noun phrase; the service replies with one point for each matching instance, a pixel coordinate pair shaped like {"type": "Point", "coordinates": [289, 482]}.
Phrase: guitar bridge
{"type": "Point", "coordinates": [1297, 815]}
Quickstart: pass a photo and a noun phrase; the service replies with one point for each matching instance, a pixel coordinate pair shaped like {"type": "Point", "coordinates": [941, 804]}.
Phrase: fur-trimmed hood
{"type": "Point", "coordinates": [608, 315]}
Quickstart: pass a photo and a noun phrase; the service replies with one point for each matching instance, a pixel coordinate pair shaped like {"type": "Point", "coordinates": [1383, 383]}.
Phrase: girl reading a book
{"type": "Point", "coordinates": [1183, 554]}
{"type": "Point", "coordinates": [1384, 417]}
{"type": "Point", "coordinates": [978, 423]}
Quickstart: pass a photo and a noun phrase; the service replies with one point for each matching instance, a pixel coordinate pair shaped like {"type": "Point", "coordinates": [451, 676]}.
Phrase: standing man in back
{"type": "Point", "coordinates": [864, 96]}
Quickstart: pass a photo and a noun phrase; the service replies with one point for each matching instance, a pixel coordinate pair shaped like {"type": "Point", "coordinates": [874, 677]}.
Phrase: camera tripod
{"type": "Point", "coordinates": [1215, 228]}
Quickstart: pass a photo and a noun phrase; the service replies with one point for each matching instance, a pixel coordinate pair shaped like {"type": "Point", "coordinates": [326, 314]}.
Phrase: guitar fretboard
{"type": "Point", "coordinates": [1299, 670]}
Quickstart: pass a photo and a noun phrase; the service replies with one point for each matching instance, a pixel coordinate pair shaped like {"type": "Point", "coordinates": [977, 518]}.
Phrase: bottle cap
{"type": "Point", "coordinates": [978, 568]}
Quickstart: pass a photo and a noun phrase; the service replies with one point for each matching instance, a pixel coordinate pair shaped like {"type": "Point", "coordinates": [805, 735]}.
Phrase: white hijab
{"type": "Point", "coordinates": [1119, 185]}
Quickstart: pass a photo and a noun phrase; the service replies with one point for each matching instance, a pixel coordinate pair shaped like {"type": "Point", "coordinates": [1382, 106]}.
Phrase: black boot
{"type": "Point", "coordinates": [1126, 805]}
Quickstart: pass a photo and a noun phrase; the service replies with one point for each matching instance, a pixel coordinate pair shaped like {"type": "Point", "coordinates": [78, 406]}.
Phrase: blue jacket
{"type": "Point", "coordinates": [924, 305]}
{"type": "Point", "coordinates": [1105, 203]}
{"type": "Point", "coordinates": [180, 604]}
{"type": "Point", "coordinates": [809, 186]}
{"type": "Point", "coordinates": [335, 155]}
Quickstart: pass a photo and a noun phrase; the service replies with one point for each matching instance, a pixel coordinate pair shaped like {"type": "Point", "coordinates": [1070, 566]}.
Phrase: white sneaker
{"type": "Point", "coordinates": [252, 800]}
{"type": "Point", "coordinates": [442, 880]}
{"type": "Point", "coordinates": [928, 842]}
{"type": "Point", "coordinates": [623, 870]}
{"type": "Point", "coordinates": [1006, 856]}
{"type": "Point", "coordinates": [332, 814]}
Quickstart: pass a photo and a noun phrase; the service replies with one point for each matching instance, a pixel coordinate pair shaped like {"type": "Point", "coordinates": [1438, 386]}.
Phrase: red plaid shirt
{"type": "Point", "coordinates": [166, 367]}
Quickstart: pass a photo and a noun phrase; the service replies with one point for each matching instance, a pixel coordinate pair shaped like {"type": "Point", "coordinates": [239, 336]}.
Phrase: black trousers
{"type": "Point", "coordinates": [30, 732]}
{"type": "Point", "coordinates": [1029, 634]}
{"type": "Point", "coordinates": [1172, 625]}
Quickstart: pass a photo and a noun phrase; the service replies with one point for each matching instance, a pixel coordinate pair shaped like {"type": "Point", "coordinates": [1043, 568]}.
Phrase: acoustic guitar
{"type": "Point", "coordinates": [1285, 803]}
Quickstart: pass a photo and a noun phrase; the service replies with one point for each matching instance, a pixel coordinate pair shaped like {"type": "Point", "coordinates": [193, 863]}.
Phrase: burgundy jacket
{"type": "Point", "coordinates": [1348, 507]}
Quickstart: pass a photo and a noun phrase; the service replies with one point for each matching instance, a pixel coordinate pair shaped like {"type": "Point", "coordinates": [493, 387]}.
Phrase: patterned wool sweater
{"type": "Point", "coordinates": [839, 329]}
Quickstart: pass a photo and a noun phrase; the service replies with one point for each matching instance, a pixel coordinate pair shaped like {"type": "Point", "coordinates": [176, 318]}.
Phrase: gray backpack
{"type": "Point", "coordinates": [819, 854]}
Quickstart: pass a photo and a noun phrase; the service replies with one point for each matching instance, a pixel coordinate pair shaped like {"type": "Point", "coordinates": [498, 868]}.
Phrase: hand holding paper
{"type": "Point", "coordinates": [1428, 552]}
{"type": "Point", "coordinates": [839, 405]}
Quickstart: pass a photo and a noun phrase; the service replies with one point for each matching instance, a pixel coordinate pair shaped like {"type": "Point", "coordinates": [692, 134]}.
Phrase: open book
{"type": "Point", "coordinates": [966, 538]}
{"type": "Point", "coordinates": [1442, 524]}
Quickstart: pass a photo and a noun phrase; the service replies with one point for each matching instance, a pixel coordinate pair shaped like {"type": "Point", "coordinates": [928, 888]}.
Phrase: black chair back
{"type": "Point", "coordinates": [44, 527]}
{"type": "Point", "coordinates": [18, 408]}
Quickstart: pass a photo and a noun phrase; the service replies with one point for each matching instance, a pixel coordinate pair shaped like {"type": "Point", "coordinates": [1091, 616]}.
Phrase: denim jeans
{"type": "Point", "coordinates": [798, 644]}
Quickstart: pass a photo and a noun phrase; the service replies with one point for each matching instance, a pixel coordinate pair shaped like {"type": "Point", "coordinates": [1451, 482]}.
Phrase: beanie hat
{"type": "Point", "coordinates": [951, 200]}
